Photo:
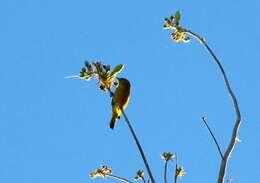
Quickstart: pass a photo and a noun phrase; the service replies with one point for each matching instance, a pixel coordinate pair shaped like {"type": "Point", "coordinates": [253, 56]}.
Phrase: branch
{"type": "Point", "coordinates": [212, 135]}
{"type": "Point", "coordinates": [118, 178]}
{"type": "Point", "coordinates": [135, 138]}
{"type": "Point", "coordinates": [233, 139]}
{"type": "Point", "coordinates": [139, 146]}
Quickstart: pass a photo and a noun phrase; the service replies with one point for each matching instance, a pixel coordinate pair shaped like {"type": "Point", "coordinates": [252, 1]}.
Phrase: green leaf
{"type": "Point", "coordinates": [177, 17]}
{"type": "Point", "coordinates": [117, 70]}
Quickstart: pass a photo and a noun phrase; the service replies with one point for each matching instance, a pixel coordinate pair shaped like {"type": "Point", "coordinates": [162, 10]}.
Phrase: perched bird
{"type": "Point", "coordinates": [121, 97]}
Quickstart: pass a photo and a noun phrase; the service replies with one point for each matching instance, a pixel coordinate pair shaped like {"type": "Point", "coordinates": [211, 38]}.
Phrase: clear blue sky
{"type": "Point", "coordinates": [56, 130]}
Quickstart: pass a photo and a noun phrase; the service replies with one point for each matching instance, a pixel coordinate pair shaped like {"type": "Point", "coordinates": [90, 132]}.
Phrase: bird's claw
{"type": "Point", "coordinates": [111, 94]}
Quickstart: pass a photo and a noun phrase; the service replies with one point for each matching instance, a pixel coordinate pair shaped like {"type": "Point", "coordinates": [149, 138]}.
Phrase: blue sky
{"type": "Point", "coordinates": [56, 130]}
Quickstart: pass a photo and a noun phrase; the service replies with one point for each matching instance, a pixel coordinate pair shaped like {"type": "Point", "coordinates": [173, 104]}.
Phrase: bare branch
{"type": "Point", "coordinates": [135, 138]}
{"type": "Point", "coordinates": [212, 135]}
{"type": "Point", "coordinates": [139, 146]}
{"type": "Point", "coordinates": [233, 139]}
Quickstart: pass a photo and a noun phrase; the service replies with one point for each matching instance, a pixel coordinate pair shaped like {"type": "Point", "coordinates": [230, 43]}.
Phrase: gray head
{"type": "Point", "coordinates": [124, 81]}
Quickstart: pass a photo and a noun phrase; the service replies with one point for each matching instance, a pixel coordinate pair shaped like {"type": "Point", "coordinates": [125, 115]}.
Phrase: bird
{"type": "Point", "coordinates": [120, 99]}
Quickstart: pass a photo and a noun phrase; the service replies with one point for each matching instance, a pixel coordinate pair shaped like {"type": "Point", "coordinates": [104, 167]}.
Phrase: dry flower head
{"type": "Point", "coordinates": [139, 175]}
{"type": "Point", "coordinates": [180, 172]}
{"type": "Point", "coordinates": [167, 156]}
{"type": "Point", "coordinates": [101, 172]}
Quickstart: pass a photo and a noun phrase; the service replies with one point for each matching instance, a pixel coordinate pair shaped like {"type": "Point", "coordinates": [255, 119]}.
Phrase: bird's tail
{"type": "Point", "coordinates": [112, 122]}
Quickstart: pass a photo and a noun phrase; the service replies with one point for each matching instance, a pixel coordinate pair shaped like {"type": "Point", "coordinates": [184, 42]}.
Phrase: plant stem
{"type": "Point", "coordinates": [143, 180]}
{"type": "Point", "coordinates": [233, 139]}
{"type": "Point", "coordinates": [139, 146]}
{"type": "Point", "coordinates": [176, 168]}
{"type": "Point", "coordinates": [118, 178]}
{"type": "Point", "coordinates": [212, 135]}
{"type": "Point", "coordinates": [135, 138]}
{"type": "Point", "coordinates": [165, 171]}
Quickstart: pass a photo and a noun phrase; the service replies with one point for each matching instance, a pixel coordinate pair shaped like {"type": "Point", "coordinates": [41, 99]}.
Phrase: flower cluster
{"type": "Point", "coordinates": [179, 172]}
{"type": "Point", "coordinates": [103, 73]}
{"type": "Point", "coordinates": [101, 172]}
{"type": "Point", "coordinates": [173, 23]}
{"type": "Point", "coordinates": [139, 175]}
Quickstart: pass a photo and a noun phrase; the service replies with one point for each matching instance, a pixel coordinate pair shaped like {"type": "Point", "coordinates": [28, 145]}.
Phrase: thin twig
{"type": "Point", "coordinates": [212, 135]}
{"type": "Point", "coordinates": [118, 178]}
{"type": "Point", "coordinates": [176, 168]}
{"type": "Point", "coordinates": [143, 180]}
{"type": "Point", "coordinates": [135, 138]}
{"type": "Point", "coordinates": [165, 171]}
{"type": "Point", "coordinates": [230, 180]}
{"type": "Point", "coordinates": [233, 139]}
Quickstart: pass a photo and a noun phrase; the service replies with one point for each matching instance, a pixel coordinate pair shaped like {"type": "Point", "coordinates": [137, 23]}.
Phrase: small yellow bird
{"type": "Point", "coordinates": [121, 97]}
